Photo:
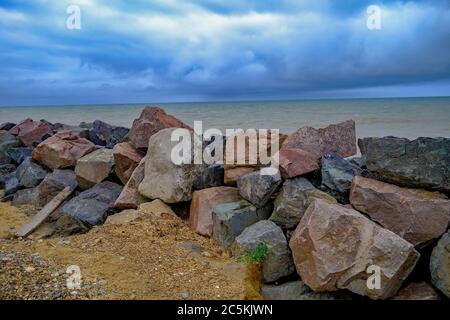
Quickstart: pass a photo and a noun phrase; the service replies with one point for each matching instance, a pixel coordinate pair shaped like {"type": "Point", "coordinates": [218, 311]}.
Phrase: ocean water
{"type": "Point", "coordinates": [407, 117]}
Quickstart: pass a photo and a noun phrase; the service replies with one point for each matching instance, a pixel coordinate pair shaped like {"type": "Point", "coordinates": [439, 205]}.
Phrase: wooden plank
{"type": "Point", "coordinates": [40, 217]}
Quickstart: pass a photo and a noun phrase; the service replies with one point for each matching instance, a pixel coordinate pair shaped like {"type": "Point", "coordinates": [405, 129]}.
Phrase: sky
{"type": "Point", "coordinates": [139, 51]}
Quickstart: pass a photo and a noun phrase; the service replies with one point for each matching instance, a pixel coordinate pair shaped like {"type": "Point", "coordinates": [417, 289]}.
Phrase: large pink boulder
{"type": "Point", "coordinates": [339, 248]}
{"type": "Point", "coordinates": [338, 138]}
{"type": "Point", "coordinates": [126, 159]}
{"type": "Point", "coordinates": [31, 132]}
{"type": "Point", "coordinates": [417, 216]}
{"type": "Point", "coordinates": [151, 120]}
{"type": "Point", "coordinates": [130, 198]}
{"type": "Point", "coordinates": [203, 202]}
{"type": "Point", "coordinates": [62, 150]}
{"type": "Point", "coordinates": [296, 162]}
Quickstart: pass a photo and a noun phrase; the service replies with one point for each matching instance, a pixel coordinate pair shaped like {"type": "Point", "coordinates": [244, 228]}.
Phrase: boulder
{"type": "Point", "coordinates": [333, 248]}
{"type": "Point", "coordinates": [156, 209]}
{"type": "Point", "coordinates": [7, 126]}
{"type": "Point", "coordinates": [230, 219]}
{"type": "Point", "coordinates": [123, 217]}
{"type": "Point", "coordinates": [163, 178]}
{"type": "Point", "coordinates": [420, 163]}
{"type": "Point", "coordinates": [103, 134]}
{"type": "Point", "coordinates": [415, 215]}
{"type": "Point", "coordinates": [5, 169]}
{"type": "Point", "coordinates": [258, 188]}
{"type": "Point", "coordinates": [203, 202]}
{"type": "Point", "coordinates": [295, 197]}
{"type": "Point", "coordinates": [440, 265]}
{"type": "Point", "coordinates": [297, 290]}
{"type": "Point", "coordinates": [91, 206]}
{"type": "Point", "coordinates": [126, 159]}
{"type": "Point", "coordinates": [7, 142]}
{"type": "Point", "coordinates": [232, 173]}
{"type": "Point", "coordinates": [338, 138]}
{"type": "Point", "coordinates": [130, 198]}
{"type": "Point", "coordinates": [31, 132]}
{"type": "Point", "coordinates": [296, 162]}
{"type": "Point", "coordinates": [66, 225]}
{"type": "Point", "coordinates": [53, 184]}
{"type": "Point", "coordinates": [24, 197]}
{"type": "Point", "coordinates": [151, 121]}
{"type": "Point", "coordinates": [278, 262]}
{"type": "Point", "coordinates": [18, 155]}
{"type": "Point", "coordinates": [94, 167]}
{"type": "Point", "coordinates": [211, 176]}
{"type": "Point", "coordinates": [62, 150]}
{"type": "Point", "coordinates": [337, 175]}
{"type": "Point", "coordinates": [417, 291]}
{"type": "Point", "coordinates": [30, 174]}
{"type": "Point", "coordinates": [11, 183]}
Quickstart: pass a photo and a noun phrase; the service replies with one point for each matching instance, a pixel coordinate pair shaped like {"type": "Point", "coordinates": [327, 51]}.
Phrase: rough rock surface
{"type": "Point", "coordinates": [258, 188]}
{"type": "Point", "coordinates": [30, 132]}
{"type": "Point", "coordinates": [18, 155]}
{"type": "Point", "coordinates": [295, 197]}
{"type": "Point", "coordinates": [297, 290]}
{"type": "Point", "coordinates": [24, 197]}
{"type": "Point", "coordinates": [11, 183]}
{"type": "Point", "coordinates": [420, 163]}
{"type": "Point", "coordinates": [54, 183]}
{"type": "Point", "coordinates": [94, 167]}
{"type": "Point", "coordinates": [278, 262]}
{"type": "Point", "coordinates": [415, 215]}
{"type": "Point", "coordinates": [7, 126]}
{"type": "Point", "coordinates": [91, 206]}
{"type": "Point", "coordinates": [5, 169]}
{"type": "Point", "coordinates": [30, 174]}
{"type": "Point", "coordinates": [417, 291]}
{"type": "Point", "coordinates": [126, 159]}
{"type": "Point", "coordinates": [338, 173]}
{"type": "Point", "coordinates": [7, 142]}
{"type": "Point", "coordinates": [151, 120]}
{"type": "Point", "coordinates": [163, 178]}
{"type": "Point", "coordinates": [156, 208]}
{"type": "Point", "coordinates": [338, 138]}
{"type": "Point", "coordinates": [296, 162]}
{"type": "Point", "coordinates": [230, 219]}
{"type": "Point", "coordinates": [203, 202]}
{"type": "Point", "coordinates": [130, 198]}
{"type": "Point", "coordinates": [333, 247]}
{"type": "Point", "coordinates": [211, 176]}
{"type": "Point", "coordinates": [440, 265]}
{"type": "Point", "coordinates": [104, 134]}
{"type": "Point", "coordinates": [62, 150]}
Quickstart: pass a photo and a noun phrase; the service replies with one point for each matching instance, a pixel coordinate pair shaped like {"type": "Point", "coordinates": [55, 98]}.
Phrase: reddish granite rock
{"type": "Point", "coordinates": [151, 120]}
{"type": "Point", "coordinates": [130, 198]}
{"type": "Point", "coordinates": [333, 246]}
{"type": "Point", "coordinates": [417, 291]}
{"type": "Point", "coordinates": [296, 162]}
{"type": "Point", "coordinates": [338, 138]}
{"type": "Point", "coordinates": [62, 150]}
{"type": "Point", "coordinates": [126, 159]}
{"type": "Point", "coordinates": [31, 132]}
{"type": "Point", "coordinates": [415, 215]}
{"type": "Point", "coordinates": [203, 202]}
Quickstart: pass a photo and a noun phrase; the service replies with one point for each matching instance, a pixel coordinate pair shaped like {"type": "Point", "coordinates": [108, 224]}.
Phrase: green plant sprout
{"type": "Point", "coordinates": [256, 255]}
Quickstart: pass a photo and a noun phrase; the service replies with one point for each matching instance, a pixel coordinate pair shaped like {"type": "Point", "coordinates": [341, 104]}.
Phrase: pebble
{"type": "Point", "coordinates": [184, 295]}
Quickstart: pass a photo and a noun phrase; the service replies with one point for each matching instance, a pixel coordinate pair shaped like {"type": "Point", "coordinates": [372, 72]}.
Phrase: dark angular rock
{"type": "Point", "coordinates": [298, 290]}
{"type": "Point", "coordinates": [7, 141]}
{"type": "Point", "coordinates": [211, 176]}
{"type": "Point", "coordinates": [420, 163]}
{"type": "Point", "coordinates": [104, 134]}
{"type": "Point", "coordinates": [67, 225]}
{"type": "Point", "coordinates": [11, 183]}
{"type": "Point", "coordinates": [5, 169]}
{"type": "Point", "coordinates": [25, 196]}
{"type": "Point", "coordinates": [258, 188]}
{"type": "Point", "coordinates": [440, 265]}
{"type": "Point", "coordinates": [18, 155]}
{"type": "Point", "coordinates": [54, 183]}
{"type": "Point", "coordinates": [7, 126]}
{"type": "Point", "coordinates": [357, 161]}
{"type": "Point", "coordinates": [30, 174]}
{"type": "Point", "coordinates": [91, 206]}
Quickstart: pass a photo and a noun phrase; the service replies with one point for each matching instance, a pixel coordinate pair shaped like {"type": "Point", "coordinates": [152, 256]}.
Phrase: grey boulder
{"type": "Point", "coordinates": [440, 265]}
{"type": "Point", "coordinates": [258, 188]}
{"type": "Point", "coordinates": [30, 174]}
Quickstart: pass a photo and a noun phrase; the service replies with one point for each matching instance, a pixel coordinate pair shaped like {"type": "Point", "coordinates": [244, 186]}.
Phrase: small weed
{"type": "Point", "coordinates": [256, 255]}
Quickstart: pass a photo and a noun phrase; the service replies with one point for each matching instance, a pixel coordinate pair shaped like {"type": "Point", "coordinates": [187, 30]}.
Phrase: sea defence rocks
{"type": "Point", "coordinates": [103, 134]}
{"type": "Point", "coordinates": [163, 178]}
{"type": "Point", "coordinates": [30, 132]}
{"type": "Point", "coordinates": [296, 162]}
{"type": "Point", "coordinates": [30, 174]}
{"type": "Point", "coordinates": [54, 183]}
{"type": "Point", "coordinates": [420, 163]}
{"type": "Point", "coordinates": [258, 188]}
{"type": "Point", "coordinates": [7, 126]}
{"type": "Point", "coordinates": [337, 175]}
{"type": "Point", "coordinates": [338, 138]}
{"type": "Point", "coordinates": [417, 291]}
{"type": "Point", "coordinates": [156, 209]}
{"type": "Point", "coordinates": [91, 206]}
{"type": "Point", "coordinates": [415, 215]}
{"type": "Point", "coordinates": [297, 290]}
{"type": "Point", "coordinates": [211, 176]}
{"type": "Point", "coordinates": [130, 198]}
{"type": "Point", "coordinates": [7, 142]}
{"type": "Point", "coordinates": [5, 170]}
{"type": "Point", "coordinates": [94, 168]}
{"type": "Point", "coordinates": [62, 150]}
{"type": "Point", "coordinates": [440, 265]}
{"type": "Point", "coordinates": [203, 202]}
{"type": "Point", "coordinates": [18, 155]}
{"type": "Point", "coordinates": [333, 247]}
{"type": "Point", "coordinates": [230, 219]}
{"type": "Point", "coordinates": [278, 262]}
{"type": "Point", "coordinates": [151, 120]}
{"type": "Point", "coordinates": [126, 159]}
{"type": "Point", "coordinates": [295, 197]}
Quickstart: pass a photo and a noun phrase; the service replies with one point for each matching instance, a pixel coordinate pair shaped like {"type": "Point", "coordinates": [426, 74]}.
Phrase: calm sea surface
{"type": "Point", "coordinates": [410, 118]}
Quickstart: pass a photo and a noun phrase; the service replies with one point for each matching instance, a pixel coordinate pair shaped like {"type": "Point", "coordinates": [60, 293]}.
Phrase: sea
{"type": "Point", "coordinates": [401, 117]}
